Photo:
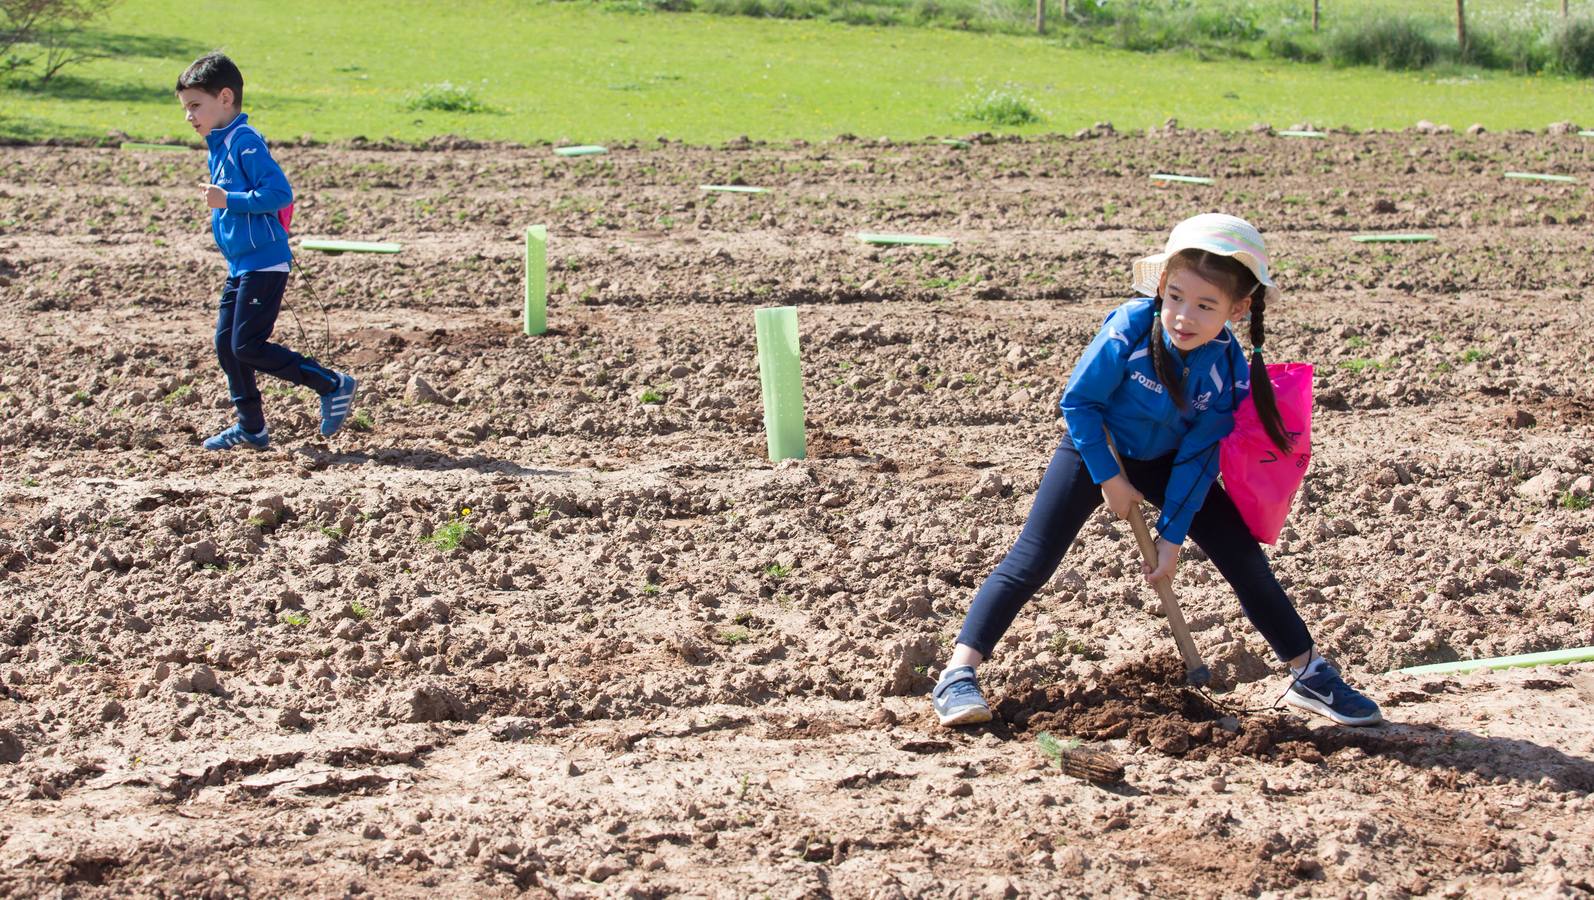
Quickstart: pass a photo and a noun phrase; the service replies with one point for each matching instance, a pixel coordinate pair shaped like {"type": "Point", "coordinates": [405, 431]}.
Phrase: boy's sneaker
{"type": "Point", "coordinates": [237, 436]}
{"type": "Point", "coordinates": [336, 405]}
{"type": "Point", "coordinates": [957, 698]}
{"type": "Point", "coordinates": [1322, 691]}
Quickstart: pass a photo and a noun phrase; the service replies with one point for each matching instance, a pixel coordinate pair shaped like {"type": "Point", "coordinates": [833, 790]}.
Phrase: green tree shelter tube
{"type": "Point", "coordinates": [536, 318]}
{"type": "Point", "coordinates": [351, 246]}
{"type": "Point", "coordinates": [135, 145]}
{"type": "Point", "coordinates": [780, 370]}
{"type": "Point", "coordinates": [1547, 658]}
{"type": "Point", "coordinates": [1539, 176]}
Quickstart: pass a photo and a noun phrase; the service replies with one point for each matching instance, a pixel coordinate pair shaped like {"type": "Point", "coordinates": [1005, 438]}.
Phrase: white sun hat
{"type": "Point", "coordinates": [1215, 232]}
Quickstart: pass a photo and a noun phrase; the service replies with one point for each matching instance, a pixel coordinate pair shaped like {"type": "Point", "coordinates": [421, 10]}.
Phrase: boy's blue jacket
{"type": "Point", "coordinates": [1115, 384]}
{"type": "Point", "coordinates": [248, 231]}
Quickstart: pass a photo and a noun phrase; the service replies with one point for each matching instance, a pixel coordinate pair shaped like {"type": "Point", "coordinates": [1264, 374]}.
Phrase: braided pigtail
{"type": "Point", "coordinates": [1167, 371]}
{"type": "Point", "coordinates": [1267, 407]}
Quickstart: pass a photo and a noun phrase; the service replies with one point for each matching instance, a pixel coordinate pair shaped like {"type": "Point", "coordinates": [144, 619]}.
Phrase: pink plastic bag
{"type": "Point", "coordinates": [1260, 478]}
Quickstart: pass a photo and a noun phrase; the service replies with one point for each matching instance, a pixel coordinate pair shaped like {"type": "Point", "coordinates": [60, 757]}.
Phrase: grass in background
{"type": "Point", "coordinates": [1517, 35]}
{"type": "Point", "coordinates": [582, 72]}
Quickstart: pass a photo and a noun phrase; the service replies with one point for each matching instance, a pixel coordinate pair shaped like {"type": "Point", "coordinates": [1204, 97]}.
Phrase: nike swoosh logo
{"type": "Point", "coordinates": [1326, 698]}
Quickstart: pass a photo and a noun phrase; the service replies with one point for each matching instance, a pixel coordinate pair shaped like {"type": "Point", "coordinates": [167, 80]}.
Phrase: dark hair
{"type": "Point", "coordinates": [212, 72]}
{"type": "Point", "coordinates": [1239, 282]}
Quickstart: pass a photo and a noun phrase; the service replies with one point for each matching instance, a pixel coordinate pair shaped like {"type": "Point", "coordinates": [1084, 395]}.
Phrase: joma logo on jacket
{"type": "Point", "coordinates": [1115, 385]}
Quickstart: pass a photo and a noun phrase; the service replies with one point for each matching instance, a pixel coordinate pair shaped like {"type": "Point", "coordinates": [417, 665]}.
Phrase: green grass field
{"type": "Point", "coordinates": [583, 72]}
{"type": "Point", "coordinates": [1019, 15]}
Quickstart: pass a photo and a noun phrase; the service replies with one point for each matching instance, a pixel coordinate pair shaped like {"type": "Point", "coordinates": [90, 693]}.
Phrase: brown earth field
{"type": "Point", "coordinates": [647, 662]}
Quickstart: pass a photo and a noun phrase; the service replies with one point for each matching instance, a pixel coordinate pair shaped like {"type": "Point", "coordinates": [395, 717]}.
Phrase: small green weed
{"type": "Point", "coordinates": [360, 610]}
{"type": "Point", "coordinates": [1356, 342]}
{"type": "Point", "coordinates": [445, 96]}
{"type": "Point", "coordinates": [448, 537]}
{"type": "Point", "coordinates": [1573, 501]}
{"type": "Point", "coordinates": [730, 637]}
{"type": "Point", "coordinates": [362, 421]}
{"type": "Point", "coordinates": [1474, 355]}
{"type": "Point", "coordinates": [1004, 107]}
{"type": "Point", "coordinates": [1068, 645]}
{"type": "Point", "coordinates": [30, 481]}
{"type": "Point", "coordinates": [1053, 749]}
{"type": "Point", "coordinates": [777, 571]}
{"type": "Point", "coordinates": [651, 396]}
{"type": "Point", "coordinates": [294, 618]}
{"type": "Point", "coordinates": [1360, 365]}
{"type": "Point", "coordinates": [178, 394]}
{"type": "Point", "coordinates": [650, 589]}
{"type": "Point", "coordinates": [332, 531]}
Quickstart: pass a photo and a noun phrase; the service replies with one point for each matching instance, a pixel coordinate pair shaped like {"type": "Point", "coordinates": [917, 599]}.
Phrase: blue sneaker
{"type": "Point", "coordinates": [1322, 691]}
{"type": "Point", "coordinates": [336, 405]}
{"type": "Point", "coordinates": [237, 436]}
{"type": "Point", "coordinates": [957, 698]}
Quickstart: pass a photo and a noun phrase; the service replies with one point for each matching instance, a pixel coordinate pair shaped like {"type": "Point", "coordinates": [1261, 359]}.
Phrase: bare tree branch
{"type": "Point", "coordinates": [52, 25]}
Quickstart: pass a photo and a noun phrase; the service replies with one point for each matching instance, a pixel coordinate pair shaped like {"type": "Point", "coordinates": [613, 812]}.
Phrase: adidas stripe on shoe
{"type": "Point", "coordinates": [336, 405]}
{"type": "Point", "coordinates": [236, 436]}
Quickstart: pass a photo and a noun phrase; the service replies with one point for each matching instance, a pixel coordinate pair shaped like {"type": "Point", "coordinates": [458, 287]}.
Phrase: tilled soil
{"type": "Point", "coordinates": [648, 662]}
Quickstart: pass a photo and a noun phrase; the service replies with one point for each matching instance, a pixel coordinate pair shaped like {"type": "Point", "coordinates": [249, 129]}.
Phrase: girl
{"type": "Point", "coordinates": [1163, 378]}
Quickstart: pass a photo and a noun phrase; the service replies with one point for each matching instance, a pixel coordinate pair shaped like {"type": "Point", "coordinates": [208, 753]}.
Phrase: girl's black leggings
{"type": "Point", "coordinates": [1067, 497]}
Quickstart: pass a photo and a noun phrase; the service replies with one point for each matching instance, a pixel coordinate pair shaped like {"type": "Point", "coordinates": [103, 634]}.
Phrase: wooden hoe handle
{"type": "Point", "coordinates": [1195, 671]}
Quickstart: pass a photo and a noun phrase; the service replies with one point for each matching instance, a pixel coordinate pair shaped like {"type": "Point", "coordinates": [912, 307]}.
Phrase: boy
{"type": "Point", "coordinates": [245, 192]}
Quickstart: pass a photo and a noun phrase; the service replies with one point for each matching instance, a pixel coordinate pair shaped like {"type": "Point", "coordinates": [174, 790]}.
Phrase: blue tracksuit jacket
{"type": "Point", "coordinates": [248, 231]}
{"type": "Point", "coordinates": [1115, 384]}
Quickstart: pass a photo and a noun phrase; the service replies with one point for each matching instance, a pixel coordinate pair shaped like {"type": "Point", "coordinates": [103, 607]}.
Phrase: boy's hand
{"type": "Point", "coordinates": [215, 197]}
{"type": "Point", "coordinates": [1167, 562]}
{"type": "Point", "coordinates": [1121, 496]}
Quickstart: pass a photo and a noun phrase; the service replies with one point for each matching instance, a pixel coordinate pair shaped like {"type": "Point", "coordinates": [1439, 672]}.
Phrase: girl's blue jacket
{"type": "Point", "coordinates": [1115, 385]}
{"type": "Point", "coordinates": [248, 231]}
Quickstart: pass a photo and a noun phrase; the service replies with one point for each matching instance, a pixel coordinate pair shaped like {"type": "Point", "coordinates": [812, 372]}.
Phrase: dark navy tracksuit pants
{"type": "Point", "coordinates": [1068, 496]}
{"type": "Point", "coordinates": [248, 313]}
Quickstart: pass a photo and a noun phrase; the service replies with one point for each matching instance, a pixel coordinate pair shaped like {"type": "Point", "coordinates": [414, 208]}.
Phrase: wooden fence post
{"type": "Point", "coordinates": [1314, 16]}
{"type": "Point", "coordinates": [1461, 26]}
{"type": "Point", "coordinates": [1040, 16]}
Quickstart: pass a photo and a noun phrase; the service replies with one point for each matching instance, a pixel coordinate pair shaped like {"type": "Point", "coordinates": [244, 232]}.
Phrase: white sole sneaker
{"type": "Point", "coordinates": [968, 715]}
{"type": "Point", "coordinates": [1323, 709]}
